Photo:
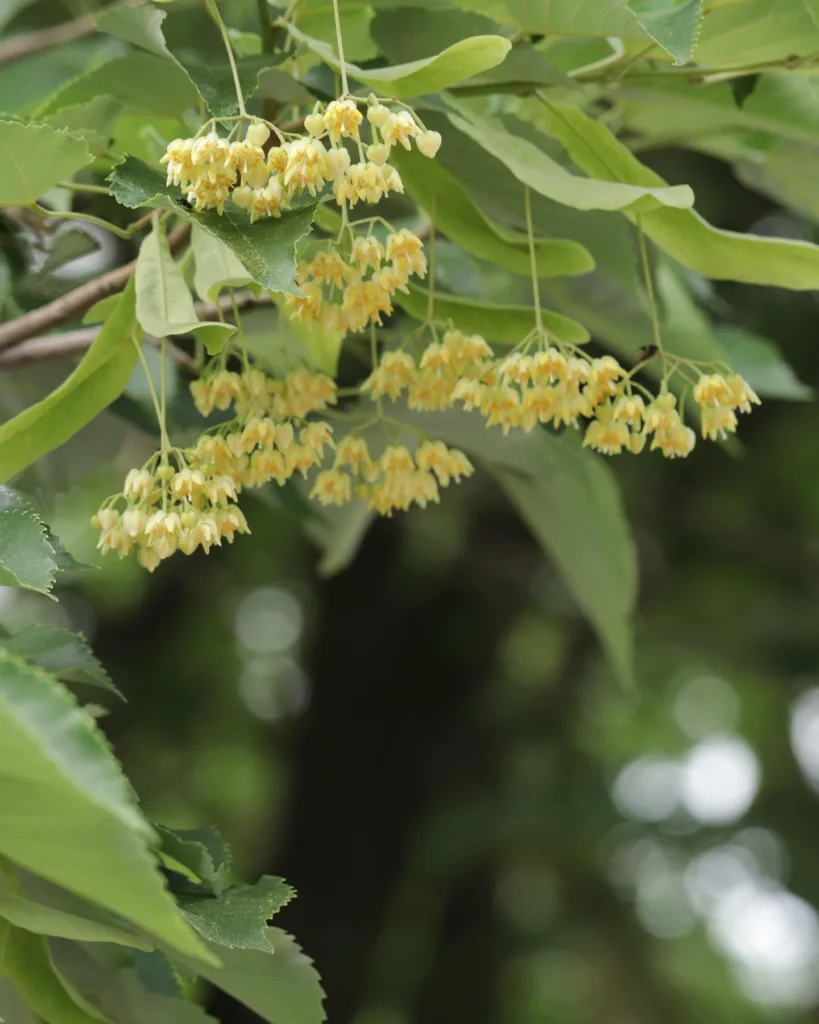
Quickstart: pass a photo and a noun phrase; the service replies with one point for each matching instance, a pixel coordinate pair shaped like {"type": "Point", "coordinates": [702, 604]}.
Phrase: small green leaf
{"type": "Point", "coordinates": [321, 345]}
{"type": "Point", "coordinates": [99, 378]}
{"type": "Point", "coordinates": [66, 655]}
{"type": "Point", "coordinates": [266, 249]}
{"type": "Point", "coordinates": [164, 305]}
{"type": "Point", "coordinates": [237, 918]}
{"type": "Point", "coordinates": [27, 962]}
{"type": "Point", "coordinates": [93, 121]}
{"type": "Point", "coordinates": [215, 81]}
{"type": "Point", "coordinates": [202, 851]}
{"type": "Point", "coordinates": [138, 24]}
{"type": "Point", "coordinates": [11, 499]}
{"type": "Point", "coordinates": [532, 167]}
{"type": "Point", "coordinates": [42, 919]}
{"type": "Point", "coordinates": [283, 987]}
{"type": "Point", "coordinates": [760, 362]}
{"type": "Point", "coordinates": [66, 245]}
{"type": "Point", "coordinates": [34, 158]}
{"type": "Point", "coordinates": [26, 557]}
{"type": "Point", "coordinates": [339, 533]}
{"type": "Point", "coordinates": [721, 255]}
{"type": "Point", "coordinates": [462, 60]}
{"type": "Point", "coordinates": [216, 266]}
{"type": "Point", "coordinates": [55, 765]}
{"type": "Point", "coordinates": [674, 24]}
{"type": "Point", "coordinates": [101, 310]}
{"type": "Point", "coordinates": [503, 324]}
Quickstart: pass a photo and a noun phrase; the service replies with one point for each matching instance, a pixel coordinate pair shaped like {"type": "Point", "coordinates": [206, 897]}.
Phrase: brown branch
{"type": "Point", "coordinates": [42, 320]}
{"type": "Point", "coordinates": [41, 39]}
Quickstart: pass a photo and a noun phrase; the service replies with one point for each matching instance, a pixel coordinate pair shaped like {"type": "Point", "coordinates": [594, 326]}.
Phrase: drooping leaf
{"type": "Point", "coordinates": [216, 267]}
{"type": "Point", "coordinates": [34, 916]}
{"type": "Point", "coordinates": [164, 305]}
{"type": "Point", "coordinates": [26, 558]}
{"type": "Point", "coordinates": [99, 378]}
{"type": "Point", "coordinates": [722, 255]}
{"type": "Point", "coordinates": [237, 918]}
{"type": "Point", "coordinates": [674, 24]}
{"type": "Point", "coordinates": [55, 765]}
{"type": "Point", "coordinates": [203, 851]}
{"type": "Point", "coordinates": [534, 168]}
{"type": "Point", "coordinates": [138, 24]}
{"type": "Point", "coordinates": [35, 157]}
{"type": "Point", "coordinates": [506, 325]}
{"type": "Point", "coordinates": [339, 533]}
{"type": "Point", "coordinates": [265, 249]}
{"type": "Point", "coordinates": [283, 987]}
{"type": "Point", "coordinates": [462, 60]}
{"type": "Point", "coordinates": [93, 120]}
{"type": "Point", "coordinates": [66, 655]}
{"type": "Point", "coordinates": [27, 962]}
{"type": "Point", "coordinates": [457, 216]}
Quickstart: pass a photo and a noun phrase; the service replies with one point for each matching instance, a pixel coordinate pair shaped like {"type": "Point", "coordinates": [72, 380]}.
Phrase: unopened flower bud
{"type": "Point", "coordinates": [378, 114]}
{"type": "Point", "coordinates": [314, 123]}
{"type": "Point", "coordinates": [258, 133]}
{"type": "Point", "coordinates": [165, 472]}
{"type": "Point", "coordinates": [428, 143]}
{"type": "Point", "coordinates": [378, 154]}
{"type": "Point", "coordinates": [242, 196]}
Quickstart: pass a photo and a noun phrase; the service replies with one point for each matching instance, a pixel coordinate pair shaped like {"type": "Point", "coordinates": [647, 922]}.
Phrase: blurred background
{"type": "Point", "coordinates": [482, 825]}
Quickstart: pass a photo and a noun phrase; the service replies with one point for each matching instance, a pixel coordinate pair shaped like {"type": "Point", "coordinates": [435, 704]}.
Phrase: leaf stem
{"type": "Point", "coordinates": [431, 299]}
{"type": "Point", "coordinates": [81, 186]}
{"type": "Point", "coordinates": [154, 397]}
{"type": "Point", "coordinates": [265, 25]}
{"type": "Point", "coordinates": [217, 17]}
{"type": "Point", "coordinates": [649, 280]}
{"type": "Point", "coordinates": [527, 202]}
{"type": "Point", "coordinates": [340, 43]}
{"type": "Point", "coordinates": [163, 384]}
{"type": "Point", "coordinates": [74, 215]}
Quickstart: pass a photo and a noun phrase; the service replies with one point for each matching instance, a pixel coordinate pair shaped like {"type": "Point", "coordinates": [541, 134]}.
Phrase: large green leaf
{"type": "Point", "coordinates": [534, 168]}
{"type": "Point", "coordinates": [462, 60]}
{"type": "Point", "coordinates": [35, 157]}
{"type": "Point", "coordinates": [238, 916]}
{"type": "Point", "coordinates": [26, 961]}
{"type": "Point", "coordinates": [569, 499]}
{"type": "Point", "coordinates": [722, 255]}
{"type": "Point", "coordinates": [55, 766]}
{"type": "Point", "coordinates": [140, 81]}
{"type": "Point", "coordinates": [27, 559]}
{"type": "Point", "coordinates": [42, 919]}
{"type": "Point", "coordinates": [100, 377]}
{"type": "Point", "coordinates": [164, 305]}
{"type": "Point", "coordinates": [674, 24]}
{"type": "Point", "coordinates": [283, 987]}
{"type": "Point", "coordinates": [506, 325]}
{"type": "Point", "coordinates": [138, 24]}
{"type": "Point", "coordinates": [758, 30]}
{"type": "Point", "coordinates": [462, 221]}
{"type": "Point", "coordinates": [266, 248]}
{"type": "Point", "coordinates": [577, 18]}
{"type": "Point", "coordinates": [66, 655]}
{"type": "Point", "coordinates": [216, 266]}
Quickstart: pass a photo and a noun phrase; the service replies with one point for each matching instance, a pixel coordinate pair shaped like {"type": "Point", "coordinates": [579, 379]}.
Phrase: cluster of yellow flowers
{"type": "Point", "coordinates": [210, 169]}
{"type": "Point", "coordinates": [183, 500]}
{"type": "Point", "coordinates": [557, 386]}
{"type": "Point", "coordinates": [347, 292]}
{"type": "Point", "coordinates": [395, 480]}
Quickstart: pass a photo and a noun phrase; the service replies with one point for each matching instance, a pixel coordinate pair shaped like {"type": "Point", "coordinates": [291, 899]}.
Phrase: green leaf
{"type": "Point", "coordinates": [26, 557]}
{"type": "Point", "coordinates": [756, 31]}
{"type": "Point", "coordinates": [506, 325]}
{"type": "Point", "coordinates": [674, 24]}
{"type": "Point", "coordinates": [66, 245]}
{"type": "Point", "coordinates": [34, 158]}
{"type": "Point", "coordinates": [216, 266]}
{"type": "Point", "coordinates": [215, 82]}
{"type": "Point", "coordinates": [27, 962]}
{"type": "Point", "coordinates": [321, 345]}
{"type": "Point", "coordinates": [462, 221]}
{"type": "Point", "coordinates": [11, 499]}
{"type": "Point", "coordinates": [42, 919]}
{"type": "Point", "coordinates": [266, 248]}
{"type": "Point", "coordinates": [462, 60]}
{"type": "Point", "coordinates": [164, 305]}
{"type": "Point", "coordinates": [139, 24]}
{"type": "Point", "coordinates": [202, 851]}
{"type": "Point", "coordinates": [101, 310]}
{"type": "Point", "coordinates": [339, 532]}
{"type": "Point", "coordinates": [569, 499]}
{"type": "Point", "coordinates": [722, 255]}
{"type": "Point", "coordinates": [760, 362]}
{"type": "Point", "coordinates": [55, 765]}
{"type": "Point", "coordinates": [99, 378]}
{"type": "Point", "coordinates": [141, 81]}
{"type": "Point", "coordinates": [93, 121]}
{"type": "Point", "coordinates": [237, 917]}
{"type": "Point", "coordinates": [282, 987]}
{"type": "Point", "coordinates": [66, 655]}
{"type": "Point", "coordinates": [532, 167]}
{"type": "Point", "coordinates": [577, 18]}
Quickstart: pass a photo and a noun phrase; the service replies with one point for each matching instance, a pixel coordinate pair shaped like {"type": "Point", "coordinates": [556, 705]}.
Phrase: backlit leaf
{"type": "Point", "coordinates": [238, 916]}
{"type": "Point", "coordinates": [216, 267]}
{"type": "Point", "coordinates": [674, 24]}
{"type": "Point", "coordinates": [35, 157]}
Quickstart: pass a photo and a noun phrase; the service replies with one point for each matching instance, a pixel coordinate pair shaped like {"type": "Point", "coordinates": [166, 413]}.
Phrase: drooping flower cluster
{"type": "Point", "coordinates": [185, 499]}
{"type": "Point", "coordinates": [558, 386]}
{"type": "Point", "coordinates": [394, 481]}
{"type": "Point", "coordinates": [210, 168]}
{"type": "Point", "coordinates": [345, 292]}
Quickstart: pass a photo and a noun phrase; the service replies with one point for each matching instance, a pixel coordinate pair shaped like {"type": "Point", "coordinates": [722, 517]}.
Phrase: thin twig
{"type": "Point", "coordinates": [44, 38]}
{"type": "Point", "coordinates": [54, 347]}
{"type": "Point", "coordinates": [76, 302]}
